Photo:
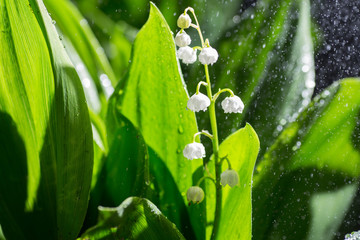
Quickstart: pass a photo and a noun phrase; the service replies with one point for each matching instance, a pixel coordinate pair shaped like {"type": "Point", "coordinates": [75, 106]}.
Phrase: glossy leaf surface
{"type": "Point", "coordinates": [153, 97]}
{"type": "Point", "coordinates": [135, 218]}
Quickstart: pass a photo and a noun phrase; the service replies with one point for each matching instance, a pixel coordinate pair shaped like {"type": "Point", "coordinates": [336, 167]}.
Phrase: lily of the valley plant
{"type": "Point", "coordinates": [201, 102]}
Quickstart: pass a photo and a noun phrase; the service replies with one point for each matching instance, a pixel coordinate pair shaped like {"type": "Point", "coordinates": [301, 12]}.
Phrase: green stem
{"type": "Point", "coordinates": [228, 161]}
{"type": "Point", "coordinates": [215, 139]}
{"type": "Point", "coordinates": [215, 142]}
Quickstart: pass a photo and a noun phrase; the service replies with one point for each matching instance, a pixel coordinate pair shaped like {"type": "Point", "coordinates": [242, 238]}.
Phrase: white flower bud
{"type": "Point", "coordinates": [194, 151]}
{"type": "Point", "coordinates": [198, 102]}
{"type": "Point", "coordinates": [184, 21]}
{"type": "Point", "coordinates": [182, 39]}
{"type": "Point", "coordinates": [195, 194]}
{"type": "Point", "coordinates": [208, 56]}
{"type": "Point", "coordinates": [232, 105]}
{"type": "Point", "coordinates": [187, 54]}
{"type": "Point", "coordinates": [230, 177]}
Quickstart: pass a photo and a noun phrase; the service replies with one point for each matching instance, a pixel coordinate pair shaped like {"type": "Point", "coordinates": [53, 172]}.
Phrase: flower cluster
{"type": "Point", "coordinates": [201, 102]}
{"type": "Point", "coordinates": [188, 55]}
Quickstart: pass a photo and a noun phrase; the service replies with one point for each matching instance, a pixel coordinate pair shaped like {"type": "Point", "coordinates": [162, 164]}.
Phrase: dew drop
{"type": "Point", "coordinates": [181, 129]}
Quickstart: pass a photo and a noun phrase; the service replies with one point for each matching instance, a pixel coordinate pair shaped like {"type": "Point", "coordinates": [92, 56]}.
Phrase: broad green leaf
{"type": "Point", "coordinates": [135, 218]}
{"type": "Point", "coordinates": [313, 154]}
{"type": "Point", "coordinates": [74, 151]}
{"type": "Point", "coordinates": [43, 96]}
{"type": "Point", "coordinates": [153, 97]}
{"type": "Point", "coordinates": [77, 29]}
{"type": "Point", "coordinates": [241, 148]}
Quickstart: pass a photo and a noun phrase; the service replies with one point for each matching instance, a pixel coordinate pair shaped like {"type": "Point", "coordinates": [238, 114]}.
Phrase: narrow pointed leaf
{"type": "Point", "coordinates": [153, 97]}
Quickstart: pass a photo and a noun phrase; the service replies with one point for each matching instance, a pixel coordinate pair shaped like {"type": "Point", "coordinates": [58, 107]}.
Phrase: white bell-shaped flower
{"type": "Point", "coordinates": [195, 194]}
{"type": "Point", "coordinates": [187, 54]}
{"type": "Point", "coordinates": [194, 151]}
{"type": "Point", "coordinates": [182, 39]}
{"type": "Point", "coordinates": [198, 102]}
{"type": "Point", "coordinates": [184, 21]}
{"type": "Point", "coordinates": [232, 105]}
{"type": "Point", "coordinates": [208, 56]}
{"type": "Point", "coordinates": [230, 177]}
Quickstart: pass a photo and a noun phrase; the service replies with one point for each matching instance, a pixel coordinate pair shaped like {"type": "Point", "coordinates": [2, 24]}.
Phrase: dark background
{"type": "Point", "coordinates": [338, 55]}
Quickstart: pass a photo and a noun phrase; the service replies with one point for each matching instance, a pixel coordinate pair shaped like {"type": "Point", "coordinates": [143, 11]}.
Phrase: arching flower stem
{"type": "Point", "coordinates": [188, 9]}
{"type": "Point", "coordinates": [203, 132]}
{"type": "Point", "coordinates": [203, 178]}
{"type": "Point", "coordinates": [198, 48]}
{"type": "Point", "coordinates": [197, 26]}
{"type": "Point", "coordinates": [206, 44]}
{"type": "Point", "coordinates": [228, 161]}
{"type": "Point", "coordinates": [199, 85]}
{"type": "Point", "coordinates": [221, 91]}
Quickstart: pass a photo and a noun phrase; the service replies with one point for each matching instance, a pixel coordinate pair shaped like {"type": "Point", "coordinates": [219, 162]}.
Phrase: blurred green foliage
{"type": "Point", "coordinates": [306, 176]}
